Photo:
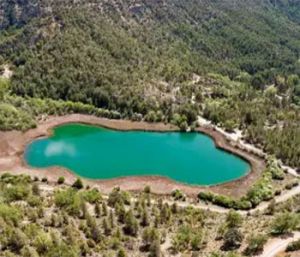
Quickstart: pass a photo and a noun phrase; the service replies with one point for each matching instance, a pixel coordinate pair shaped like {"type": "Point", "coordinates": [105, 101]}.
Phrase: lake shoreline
{"type": "Point", "coordinates": [14, 143]}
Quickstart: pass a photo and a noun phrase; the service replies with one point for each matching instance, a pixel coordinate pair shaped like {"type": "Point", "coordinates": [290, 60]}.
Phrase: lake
{"type": "Point", "coordinates": [100, 153]}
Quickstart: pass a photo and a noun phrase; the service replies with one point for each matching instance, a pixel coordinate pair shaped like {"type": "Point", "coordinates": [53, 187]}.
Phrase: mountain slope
{"type": "Point", "coordinates": [88, 50]}
{"type": "Point", "coordinates": [164, 60]}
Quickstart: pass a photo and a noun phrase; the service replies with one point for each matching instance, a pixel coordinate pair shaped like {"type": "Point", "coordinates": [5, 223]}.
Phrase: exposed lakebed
{"type": "Point", "coordinates": [100, 153]}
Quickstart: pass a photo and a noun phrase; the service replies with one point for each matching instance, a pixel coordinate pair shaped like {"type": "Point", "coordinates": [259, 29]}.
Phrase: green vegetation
{"type": "Point", "coordinates": [294, 246]}
{"type": "Point", "coordinates": [22, 113]}
{"type": "Point", "coordinates": [61, 180]}
{"type": "Point", "coordinates": [71, 222]}
{"type": "Point", "coordinates": [262, 190]}
{"type": "Point", "coordinates": [256, 244]}
{"type": "Point", "coordinates": [235, 63]}
{"type": "Point", "coordinates": [285, 223]}
{"type": "Point", "coordinates": [158, 61]}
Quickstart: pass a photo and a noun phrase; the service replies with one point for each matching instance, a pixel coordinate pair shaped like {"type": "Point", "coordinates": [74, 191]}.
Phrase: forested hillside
{"type": "Point", "coordinates": [103, 52]}
{"type": "Point", "coordinates": [157, 60]}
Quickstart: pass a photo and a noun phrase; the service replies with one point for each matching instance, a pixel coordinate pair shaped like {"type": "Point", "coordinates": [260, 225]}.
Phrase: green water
{"type": "Point", "coordinates": [99, 153]}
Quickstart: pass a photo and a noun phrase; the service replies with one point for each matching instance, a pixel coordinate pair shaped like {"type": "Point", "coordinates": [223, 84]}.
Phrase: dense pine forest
{"type": "Point", "coordinates": [233, 62]}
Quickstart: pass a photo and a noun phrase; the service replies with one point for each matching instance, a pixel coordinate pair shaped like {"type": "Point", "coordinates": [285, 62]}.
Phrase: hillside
{"type": "Point", "coordinates": [103, 52]}
{"type": "Point", "coordinates": [163, 60]}
{"type": "Point", "coordinates": [227, 68]}
{"type": "Point", "coordinates": [39, 218]}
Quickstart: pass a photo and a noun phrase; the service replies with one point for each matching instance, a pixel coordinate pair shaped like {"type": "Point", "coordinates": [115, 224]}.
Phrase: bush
{"type": "Point", "coordinates": [45, 180]}
{"type": "Point", "coordinates": [121, 253]}
{"type": "Point", "coordinates": [16, 192]}
{"type": "Point", "coordinates": [291, 185]}
{"type": "Point", "coordinates": [232, 239]}
{"type": "Point", "coordinates": [78, 184]}
{"type": "Point", "coordinates": [61, 180]}
{"type": "Point", "coordinates": [178, 195]}
{"type": "Point", "coordinates": [275, 170]}
{"type": "Point", "coordinates": [92, 196]}
{"type": "Point", "coordinates": [206, 196]}
{"type": "Point", "coordinates": [243, 205]}
{"type": "Point", "coordinates": [118, 197]}
{"type": "Point", "coordinates": [255, 244]}
{"type": "Point", "coordinates": [262, 190]}
{"type": "Point", "coordinates": [234, 219]}
{"type": "Point", "coordinates": [224, 201]}
{"type": "Point", "coordinates": [284, 223]}
{"type": "Point", "coordinates": [147, 190]}
{"type": "Point", "coordinates": [131, 225]}
{"type": "Point", "coordinates": [293, 246]}
{"type": "Point", "coordinates": [10, 214]}
{"type": "Point", "coordinates": [69, 200]}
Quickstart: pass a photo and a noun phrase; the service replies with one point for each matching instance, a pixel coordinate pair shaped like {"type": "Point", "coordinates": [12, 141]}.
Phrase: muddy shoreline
{"type": "Point", "coordinates": [13, 144]}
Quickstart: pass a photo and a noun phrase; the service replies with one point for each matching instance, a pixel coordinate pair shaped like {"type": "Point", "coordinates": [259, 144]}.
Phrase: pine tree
{"type": "Point", "coordinates": [145, 218]}
{"type": "Point", "coordinates": [104, 209]}
{"type": "Point", "coordinates": [106, 227]}
{"type": "Point", "coordinates": [131, 224]}
{"type": "Point", "coordinates": [97, 210]}
{"type": "Point", "coordinates": [111, 219]}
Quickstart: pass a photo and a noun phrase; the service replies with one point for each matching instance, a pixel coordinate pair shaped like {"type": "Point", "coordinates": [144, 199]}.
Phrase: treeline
{"type": "Point", "coordinates": [22, 113]}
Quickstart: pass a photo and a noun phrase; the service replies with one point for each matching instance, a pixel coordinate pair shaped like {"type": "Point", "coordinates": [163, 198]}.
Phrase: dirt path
{"type": "Point", "coordinates": [261, 207]}
{"type": "Point", "coordinates": [272, 248]}
{"type": "Point", "coordinates": [279, 199]}
{"type": "Point", "coordinates": [238, 138]}
{"type": "Point", "coordinates": [278, 245]}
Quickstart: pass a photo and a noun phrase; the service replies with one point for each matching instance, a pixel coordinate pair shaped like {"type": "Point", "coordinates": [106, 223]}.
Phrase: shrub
{"type": "Point", "coordinates": [16, 192]}
{"type": "Point", "coordinates": [234, 219]}
{"type": "Point", "coordinates": [291, 185]}
{"type": "Point", "coordinates": [284, 223]}
{"type": "Point", "coordinates": [131, 224]}
{"type": "Point", "coordinates": [149, 236]}
{"type": "Point", "coordinates": [45, 180]}
{"type": "Point", "coordinates": [147, 189]}
{"type": "Point", "coordinates": [60, 180]}
{"type": "Point", "coordinates": [232, 239]}
{"type": "Point", "coordinates": [178, 195]}
{"type": "Point", "coordinates": [69, 200]}
{"type": "Point", "coordinates": [275, 170]}
{"type": "Point", "coordinates": [255, 244]}
{"type": "Point", "coordinates": [78, 184]}
{"type": "Point", "coordinates": [261, 191]}
{"type": "Point", "coordinates": [224, 201]}
{"type": "Point", "coordinates": [10, 214]}
{"type": "Point", "coordinates": [206, 196]}
{"type": "Point", "coordinates": [121, 253]}
{"type": "Point", "coordinates": [293, 246]}
{"type": "Point", "coordinates": [92, 196]}
{"type": "Point", "coordinates": [118, 196]}
{"type": "Point", "coordinates": [243, 205]}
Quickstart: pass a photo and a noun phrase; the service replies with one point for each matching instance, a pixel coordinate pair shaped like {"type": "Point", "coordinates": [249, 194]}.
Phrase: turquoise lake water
{"type": "Point", "coordinates": [100, 153]}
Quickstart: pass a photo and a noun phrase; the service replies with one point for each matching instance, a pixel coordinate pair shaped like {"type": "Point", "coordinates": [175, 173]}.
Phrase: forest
{"type": "Point", "coordinates": [233, 62]}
